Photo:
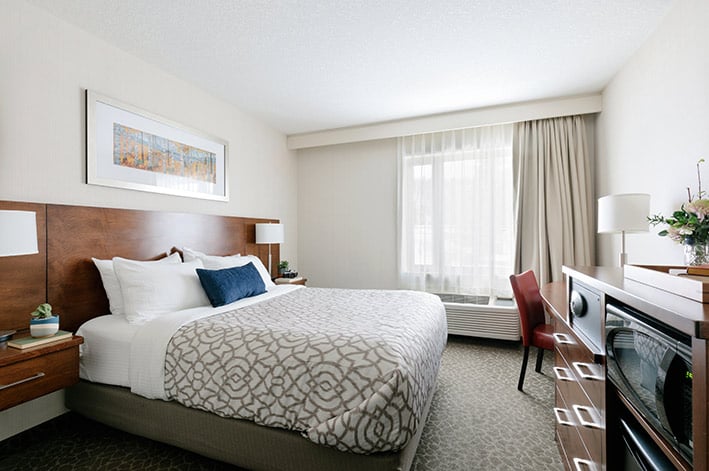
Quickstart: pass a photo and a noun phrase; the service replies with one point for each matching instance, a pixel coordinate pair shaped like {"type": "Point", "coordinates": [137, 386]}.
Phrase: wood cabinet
{"type": "Point", "coordinates": [603, 444]}
{"type": "Point", "coordinates": [33, 372]}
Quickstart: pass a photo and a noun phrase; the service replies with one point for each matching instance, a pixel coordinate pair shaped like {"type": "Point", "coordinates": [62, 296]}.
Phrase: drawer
{"type": "Point", "coordinates": [570, 442]}
{"type": "Point", "coordinates": [575, 409]}
{"type": "Point", "coordinates": [35, 377]}
{"type": "Point", "coordinates": [580, 361]}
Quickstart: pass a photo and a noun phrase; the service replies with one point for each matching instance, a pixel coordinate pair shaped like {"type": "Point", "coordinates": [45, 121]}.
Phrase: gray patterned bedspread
{"type": "Point", "coordinates": [351, 369]}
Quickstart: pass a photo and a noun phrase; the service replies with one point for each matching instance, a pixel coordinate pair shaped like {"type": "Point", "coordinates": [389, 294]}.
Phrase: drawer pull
{"type": "Point", "coordinates": [587, 371]}
{"type": "Point", "coordinates": [558, 412]}
{"type": "Point", "coordinates": [584, 465]}
{"type": "Point", "coordinates": [562, 338]}
{"type": "Point", "coordinates": [594, 421]}
{"type": "Point", "coordinates": [562, 374]}
{"type": "Point", "coordinates": [31, 378]}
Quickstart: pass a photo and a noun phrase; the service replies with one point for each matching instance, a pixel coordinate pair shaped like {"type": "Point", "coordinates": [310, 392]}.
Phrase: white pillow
{"type": "Point", "coordinates": [214, 262]}
{"type": "Point", "coordinates": [260, 267]}
{"type": "Point", "coordinates": [189, 255]}
{"type": "Point", "coordinates": [113, 287]}
{"type": "Point", "coordinates": [152, 290]}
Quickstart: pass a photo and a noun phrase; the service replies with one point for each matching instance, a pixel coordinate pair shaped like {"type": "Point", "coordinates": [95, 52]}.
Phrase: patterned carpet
{"type": "Point", "coordinates": [478, 421]}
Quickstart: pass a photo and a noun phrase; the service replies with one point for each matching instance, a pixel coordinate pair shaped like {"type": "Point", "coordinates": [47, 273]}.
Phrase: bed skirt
{"type": "Point", "coordinates": [234, 441]}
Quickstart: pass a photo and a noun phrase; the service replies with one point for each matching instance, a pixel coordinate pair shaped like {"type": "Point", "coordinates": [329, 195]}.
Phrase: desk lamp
{"type": "Point", "coordinates": [623, 213]}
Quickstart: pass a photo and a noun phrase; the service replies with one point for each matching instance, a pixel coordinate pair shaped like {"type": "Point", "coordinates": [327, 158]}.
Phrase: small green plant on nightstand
{"type": "Point", "coordinates": [43, 322]}
{"type": "Point", "coordinates": [43, 311]}
{"type": "Point", "coordinates": [283, 266]}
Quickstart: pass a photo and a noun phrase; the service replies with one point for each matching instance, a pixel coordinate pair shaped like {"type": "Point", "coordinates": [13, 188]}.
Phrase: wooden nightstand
{"type": "Point", "coordinates": [299, 280]}
{"type": "Point", "coordinates": [33, 372]}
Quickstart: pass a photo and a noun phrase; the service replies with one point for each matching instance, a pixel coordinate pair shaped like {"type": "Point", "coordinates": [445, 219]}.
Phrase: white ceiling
{"type": "Point", "coordinates": [307, 65]}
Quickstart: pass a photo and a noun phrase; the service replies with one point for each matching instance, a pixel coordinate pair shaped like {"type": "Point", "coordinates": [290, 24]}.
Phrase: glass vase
{"type": "Point", "coordinates": [696, 254]}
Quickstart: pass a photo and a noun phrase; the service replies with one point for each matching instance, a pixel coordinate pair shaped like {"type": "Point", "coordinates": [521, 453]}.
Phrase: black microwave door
{"type": "Point", "coordinates": [674, 397]}
{"type": "Point", "coordinates": [633, 364]}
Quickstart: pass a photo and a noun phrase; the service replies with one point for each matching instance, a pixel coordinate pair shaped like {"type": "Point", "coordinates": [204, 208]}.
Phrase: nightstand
{"type": "Point", "coordinates": [298, 280]}
{"type": "Point", "coordinates": [33, 372]}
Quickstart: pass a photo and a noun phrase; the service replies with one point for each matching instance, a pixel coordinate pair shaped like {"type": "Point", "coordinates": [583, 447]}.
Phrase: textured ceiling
{"type": "Point", "coordinates": [307, 65]}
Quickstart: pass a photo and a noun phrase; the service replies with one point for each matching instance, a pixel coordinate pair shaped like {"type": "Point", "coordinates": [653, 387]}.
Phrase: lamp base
{"type": "Point", "coordinates": [623, 258]}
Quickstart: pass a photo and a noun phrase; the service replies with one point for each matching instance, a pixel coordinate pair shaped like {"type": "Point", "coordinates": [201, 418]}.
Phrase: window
{"type": "Point", "coordinates": [456, 211]}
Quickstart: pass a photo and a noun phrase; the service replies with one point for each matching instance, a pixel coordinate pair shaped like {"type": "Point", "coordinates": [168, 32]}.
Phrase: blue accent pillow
{"type": "Point", "coordinates": [231, 284]}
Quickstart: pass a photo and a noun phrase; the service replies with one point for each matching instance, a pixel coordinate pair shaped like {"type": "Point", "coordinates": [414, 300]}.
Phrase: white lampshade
{"type": "Point", "coordinates": [18, 233]}
{"type": "Point", "coordinates": [269, 233]}
{"type": "Point", "coordinates": [623, 213]}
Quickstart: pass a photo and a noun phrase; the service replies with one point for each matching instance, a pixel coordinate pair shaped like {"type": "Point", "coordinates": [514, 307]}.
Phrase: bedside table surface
{"type": "Point", "coordinates": [298, 280]}
{"type": "Point", "coordinates": [10, 355]}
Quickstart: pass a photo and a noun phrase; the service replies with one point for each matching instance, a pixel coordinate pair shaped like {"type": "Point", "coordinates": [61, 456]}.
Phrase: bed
{"type": "Point", "coordinates": [405, 331]}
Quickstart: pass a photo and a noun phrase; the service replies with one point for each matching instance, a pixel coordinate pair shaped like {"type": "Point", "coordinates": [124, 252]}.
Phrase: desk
{"type": "Point", "coordinates": [554, 298]}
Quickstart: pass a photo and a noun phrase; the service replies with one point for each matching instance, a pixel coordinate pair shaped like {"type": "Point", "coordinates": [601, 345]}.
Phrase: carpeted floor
{"type": "Point", "coordinates": [478, 421]}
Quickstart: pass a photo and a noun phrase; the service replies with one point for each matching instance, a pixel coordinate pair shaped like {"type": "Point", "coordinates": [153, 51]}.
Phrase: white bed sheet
{"type": "Point", "coordinates": [105, 353]}
{"type": "Point", "coordinates": [121, 354]}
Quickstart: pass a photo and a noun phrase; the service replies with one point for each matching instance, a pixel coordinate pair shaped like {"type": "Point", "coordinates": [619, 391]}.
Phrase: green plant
{"type": "Point", "coordinates": [689, 224]}
{"type": "Point", "coordinates": [283, 265]}
{"type": "Point", "coordinates": [43, 311]}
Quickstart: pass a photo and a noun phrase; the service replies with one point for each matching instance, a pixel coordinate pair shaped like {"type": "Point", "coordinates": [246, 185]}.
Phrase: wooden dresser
{"type": "Point", "coordinates": [587, 405]}
{"type": "Point", "coordinates": [580, 404]}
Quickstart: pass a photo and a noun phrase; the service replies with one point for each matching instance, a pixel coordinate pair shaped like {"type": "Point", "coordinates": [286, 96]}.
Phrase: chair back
{"type": "Point", "coordinates": [529, 303]}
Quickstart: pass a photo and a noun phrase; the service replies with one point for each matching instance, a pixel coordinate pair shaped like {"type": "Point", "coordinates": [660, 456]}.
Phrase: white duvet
{"type": "Point", "coordinates": [121, 354]}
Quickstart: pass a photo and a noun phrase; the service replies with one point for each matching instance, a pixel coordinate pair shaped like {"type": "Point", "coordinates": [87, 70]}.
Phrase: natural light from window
{"type": "Point", "coordinates": [456, 211]}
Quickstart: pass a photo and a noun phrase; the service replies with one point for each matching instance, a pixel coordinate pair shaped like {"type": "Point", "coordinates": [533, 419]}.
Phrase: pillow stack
{"type": "Point", "coordinates": [142, 291]}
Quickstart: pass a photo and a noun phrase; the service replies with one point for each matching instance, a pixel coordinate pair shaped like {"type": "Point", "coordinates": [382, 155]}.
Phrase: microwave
{"type": "Point", "coordinates": [651, 365]}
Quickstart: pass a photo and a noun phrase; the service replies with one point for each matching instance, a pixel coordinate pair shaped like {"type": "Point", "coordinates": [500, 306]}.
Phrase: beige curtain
{"type": "Point", "coordinates": [553, 197]}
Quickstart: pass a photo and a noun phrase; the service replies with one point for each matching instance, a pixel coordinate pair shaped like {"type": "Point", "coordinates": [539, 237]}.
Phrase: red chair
{"type": "Point", "coordinates": [535, 331]}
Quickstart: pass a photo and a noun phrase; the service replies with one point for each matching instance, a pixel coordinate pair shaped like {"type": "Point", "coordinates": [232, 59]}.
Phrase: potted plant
{"type": "Point", "coordinates": [43, 322]}
{"type": "Point", "coordinates": [283, 266]}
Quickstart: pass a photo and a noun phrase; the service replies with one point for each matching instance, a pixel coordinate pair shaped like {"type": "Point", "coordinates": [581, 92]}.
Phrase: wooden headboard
{"type": "Point", "coordinates": [74, 234]}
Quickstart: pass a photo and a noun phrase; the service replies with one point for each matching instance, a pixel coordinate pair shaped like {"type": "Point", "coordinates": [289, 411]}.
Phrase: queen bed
{"type": "Point", "coordinates": [292, 378]}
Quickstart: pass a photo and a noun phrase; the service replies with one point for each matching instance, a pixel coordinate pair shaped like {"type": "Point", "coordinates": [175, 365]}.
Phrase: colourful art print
{"type": "Point", "coordinates": [133, 149]}
{"type": "Point", "coordinates": [144, 151]}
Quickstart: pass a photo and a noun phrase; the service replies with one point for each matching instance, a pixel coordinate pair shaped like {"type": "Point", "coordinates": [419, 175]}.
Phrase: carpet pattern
{"type": "Point", "coordinates": [478, 421]}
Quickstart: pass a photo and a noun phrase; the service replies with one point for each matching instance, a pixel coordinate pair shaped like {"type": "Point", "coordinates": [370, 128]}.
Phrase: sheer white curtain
{"type": "Point", "coordinates": [456, 216]}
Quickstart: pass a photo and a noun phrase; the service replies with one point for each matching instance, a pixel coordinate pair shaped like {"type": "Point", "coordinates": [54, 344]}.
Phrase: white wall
{"type": "Point", "coordinates": [45, 65]}
{"type": "Point", "coordinates": [655, 126]}
{"type": "Point", "coordinates": [347, 215]}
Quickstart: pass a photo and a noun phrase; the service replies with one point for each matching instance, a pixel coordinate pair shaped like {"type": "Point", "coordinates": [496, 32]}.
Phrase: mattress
{"type": "Point", "coordinates": [105, 353]}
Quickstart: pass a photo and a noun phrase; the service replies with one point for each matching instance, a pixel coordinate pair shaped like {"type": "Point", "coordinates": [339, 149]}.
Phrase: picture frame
{"type": "Point", "coordinates": [130, 148]}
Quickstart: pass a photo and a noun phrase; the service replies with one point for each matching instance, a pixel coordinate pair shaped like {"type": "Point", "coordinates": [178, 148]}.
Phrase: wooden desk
{"type": "Point", "coordinates": [554, 297]}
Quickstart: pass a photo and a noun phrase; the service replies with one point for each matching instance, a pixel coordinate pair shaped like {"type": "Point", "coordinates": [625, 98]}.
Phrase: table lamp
{"type": "Point", "coordinates": [623, 213]}
{"type": "Point", "coordinates": [269, 234]}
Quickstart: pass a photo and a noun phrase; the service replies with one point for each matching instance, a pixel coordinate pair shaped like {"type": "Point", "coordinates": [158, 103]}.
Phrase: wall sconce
{"type": "Point", "coordinates": [18, 233]}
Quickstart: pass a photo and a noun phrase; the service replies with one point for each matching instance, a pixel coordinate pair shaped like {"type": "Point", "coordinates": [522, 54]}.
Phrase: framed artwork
{"type": "Point", "coordinates": [130, 148]}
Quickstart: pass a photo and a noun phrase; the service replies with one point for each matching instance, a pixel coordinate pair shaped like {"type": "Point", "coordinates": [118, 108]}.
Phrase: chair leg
{"type": "Point", "coordinates": [524, 368]}
{"type": "Point", "coordinates": [540, 357]}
